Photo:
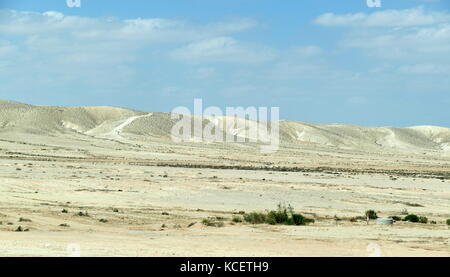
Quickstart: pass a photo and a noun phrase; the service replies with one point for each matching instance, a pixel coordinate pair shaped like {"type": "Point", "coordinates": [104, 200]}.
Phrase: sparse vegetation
{"type": "Point", "coordinates": [415, 218]}
{"type": "Point", "coordinates": [371, 214]}
{"type": "Point", "coordinates": [64, 211]}
{"type": "Point", "coordinates": [423, 219]}
{"type": "Point", "coordinates": [411, 218]}
{"type": "Point", "coordinates": [64, 225]}
{"type": "Point", "coordinates": [236, 219]}
{"type": "Point", "coordinates": [283, 215]}
{"type": "Point", "coordinates": [213, 222]}
{"type": "Point", "coordinates": [82, 213]}
{"type": "Point", "coordinates": [102, 220]}
{"type": "Point", "coordinates": [255, 218]}
{"type": "Point", "coordinates": [24, 219]}
{"type": "Point", "coordinates": [448, 221]}
{"type": "Point", "coordinates": [20, 229]}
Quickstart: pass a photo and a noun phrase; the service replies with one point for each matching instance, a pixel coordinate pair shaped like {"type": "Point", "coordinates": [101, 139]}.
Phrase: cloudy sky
{"type": "Point", "coordinates": [318, 60]}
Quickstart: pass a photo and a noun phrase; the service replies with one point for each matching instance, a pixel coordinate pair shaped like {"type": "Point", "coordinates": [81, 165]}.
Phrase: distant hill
{"type": "Point", "coordinates": [120, 123]}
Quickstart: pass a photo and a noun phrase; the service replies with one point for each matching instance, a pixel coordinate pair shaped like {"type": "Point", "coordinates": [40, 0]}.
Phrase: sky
{"type": "Point", "coordinates": [318, 60]}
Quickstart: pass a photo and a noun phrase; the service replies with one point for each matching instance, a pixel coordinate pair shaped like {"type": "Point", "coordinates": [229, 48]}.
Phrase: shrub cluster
{"type": "Point", "coordinates": [283, 215]}
{"type": "Point", "coordinates": [416, 218]}
{"type": "Point", "coordinates": [213, 221]}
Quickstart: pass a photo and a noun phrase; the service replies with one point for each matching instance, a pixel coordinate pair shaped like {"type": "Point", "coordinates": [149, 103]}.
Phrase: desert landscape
{"type": "Point", "coordinates": [106, 181]}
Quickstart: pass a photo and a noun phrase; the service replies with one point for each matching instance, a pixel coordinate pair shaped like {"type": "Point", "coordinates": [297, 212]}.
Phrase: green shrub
{"type": "Point", "coordinates": [213, 222]}
{"type": "Point", "coordinates": [278, 217]}
{"type": "Point", "coordinates": [411, 218]}
{"type": "Point", "coordinates": [448, 221]}
{"type": "Point", "coordinates": [271, 221]}
{"type": "Point", "coordinates": [371, 214]}
{"type": "Point", "coordinates": [255, 218]}
{"type": "Point", "coordinates": [298, 219]}
{"type": "Point", "coordinates": [236, 219]}
{"type": "Point", "coordinates": [396, 218]}
{"type": "Point", "coordinates": [283, 215]}
{"type": "Point", "coordinates": [423, 219]}
{"type": "Point", "coordinates": [206, 221]}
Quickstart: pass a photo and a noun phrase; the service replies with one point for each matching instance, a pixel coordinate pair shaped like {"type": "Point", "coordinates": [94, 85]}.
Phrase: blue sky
{"type": "Point", "coordinates": [319, 61]}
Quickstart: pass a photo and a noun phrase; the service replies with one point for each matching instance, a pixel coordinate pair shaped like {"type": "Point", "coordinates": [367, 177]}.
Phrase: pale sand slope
{"type": "Point", "coordinates": [99, 121]}
{"type": "Point", "coordinates": [121, 166]}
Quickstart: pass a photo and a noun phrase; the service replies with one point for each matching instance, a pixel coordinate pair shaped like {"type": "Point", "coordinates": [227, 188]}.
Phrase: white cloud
{"type": "Point", "coordinates": [387, 18]}
{"type": "Point", "coordinates": [50, 47]}
{"type": "Point", "coordinates": [223, 49]}
{"type": "Point", "coordinates": [307, 51]}
{"type": "Point", "coordinates": [202, 73]}
{"type": "Point", "coordinates": [110, 28]}
{"type": "Point", "coordinates": [424, 44]}
{"type": "Point", "coordinates": [410, 36]}
{"type": "Point", "coordinates": [425, 69]}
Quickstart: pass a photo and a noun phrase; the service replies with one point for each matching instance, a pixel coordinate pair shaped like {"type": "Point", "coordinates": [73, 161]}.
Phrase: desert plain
{"type": "Point", "coordinates": [104, 181]}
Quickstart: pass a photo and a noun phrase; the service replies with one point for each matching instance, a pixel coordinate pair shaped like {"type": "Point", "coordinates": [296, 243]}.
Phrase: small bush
{"type": "Point", "coordinates": [278, 217]}
{"type": "Point", "coordinates": [396, 218]}
{"type": "Point", "coordinates": [298, 219]}
{"type": "Point", "coordinates": [271, 221]}
{"type": "Point", "coordinates": [24, 219]}
{"type": "Point", "coordinates": [64, 211]}
{"type": "Point", "coordinates": [212, 222]}
{"type": "Point", "coordinates": [82, 214]}
{"type": "Point", "coordinates": [423, 219]}
{"type": "Point", "coordinates": [102, 220]}
{"type": "Point", "coordinates": [411, 218]}
{"type": "Point", "coordinates": [255, 218]}
{"type": "Point", "coordinates": [236, 219]}
{"type": "Point", "coordinates": [371, 214]}
{"type": "Point", "coordinates": [448, 221]}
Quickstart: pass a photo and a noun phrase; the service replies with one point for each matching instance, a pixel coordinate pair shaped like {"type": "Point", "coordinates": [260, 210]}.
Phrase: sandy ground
{"type": "Point", "coordinates": [152, 195]}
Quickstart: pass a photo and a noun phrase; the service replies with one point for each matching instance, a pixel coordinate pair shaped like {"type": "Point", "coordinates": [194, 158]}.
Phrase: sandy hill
{"type": "Point", "coordinates": [123, 123]}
